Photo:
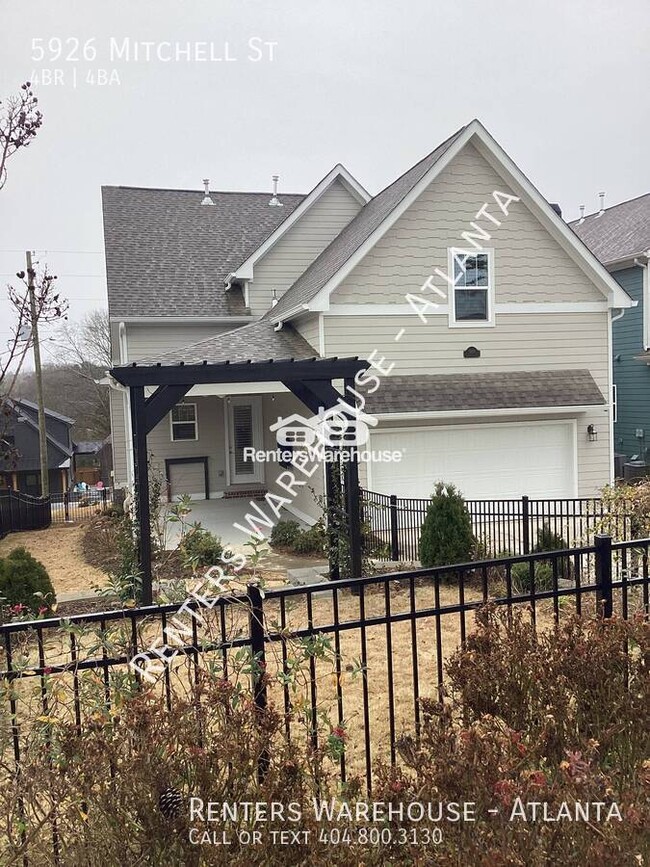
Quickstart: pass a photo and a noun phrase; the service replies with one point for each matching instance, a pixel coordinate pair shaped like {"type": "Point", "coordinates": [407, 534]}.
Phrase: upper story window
{"type": "Point", "coordinates": [183, 422]}
{"type": "Point", "coordinates": [472, 301]}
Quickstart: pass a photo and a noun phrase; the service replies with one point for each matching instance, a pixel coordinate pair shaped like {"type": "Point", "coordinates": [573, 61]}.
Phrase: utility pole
{"type": "Point", "coordinates": [42, 429]}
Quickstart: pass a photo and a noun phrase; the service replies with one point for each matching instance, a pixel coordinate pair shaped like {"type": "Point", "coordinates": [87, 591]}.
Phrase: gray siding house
{"type": "Point", "coordinates": [21, 434]}
{"type": "Point", "coordinates": [620, 238]}
{"type": "Point", "coordinates": [487, 321]}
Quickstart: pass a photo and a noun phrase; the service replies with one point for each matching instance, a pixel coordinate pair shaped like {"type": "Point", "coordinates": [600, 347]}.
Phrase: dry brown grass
{"type": "Point", "coordinates": [60, 549]}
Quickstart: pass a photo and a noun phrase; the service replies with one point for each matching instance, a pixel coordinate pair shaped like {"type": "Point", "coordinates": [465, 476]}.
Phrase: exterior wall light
{"type": "Point", "coordinates": [592, 433]}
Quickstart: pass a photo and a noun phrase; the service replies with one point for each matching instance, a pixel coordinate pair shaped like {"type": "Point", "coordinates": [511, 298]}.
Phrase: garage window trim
{"type": "Point", "coordinates": [472, 292]}
{"type": "Point", "coordinates": [183, 422]}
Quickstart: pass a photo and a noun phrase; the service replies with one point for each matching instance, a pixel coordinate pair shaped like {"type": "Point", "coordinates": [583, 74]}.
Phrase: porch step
{"type": "Point", "coordinates": [247, 493]}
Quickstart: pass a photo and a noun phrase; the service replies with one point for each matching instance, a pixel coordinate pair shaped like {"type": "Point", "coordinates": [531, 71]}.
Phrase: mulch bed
{"type": "Point", "coordinates": [100, 549]}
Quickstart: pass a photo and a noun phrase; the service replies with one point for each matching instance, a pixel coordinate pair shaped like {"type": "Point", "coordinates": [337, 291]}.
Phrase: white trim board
{"type": "Point", "coordinates": [340, 173]}
{"type": "Point", "coordinates": [484, 413]}
{"type": "Point", "coordinates": [507, 307]}
{"type": "Point", "coordinates": [476, 134]}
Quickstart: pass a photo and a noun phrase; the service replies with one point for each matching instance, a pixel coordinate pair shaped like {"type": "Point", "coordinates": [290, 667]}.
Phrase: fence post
{"type": "Point", "coordinates": [66, 505]}
{"type": "Point", "coordinates": [604, 593]}
{"type": "Point", "coordinates": [525, 524]}
{"type": "Point", "coordinates": [394, 536]}
{"type": "Point", "coordinates": [104, 498]}
{"type": "Point", "coordinates": [256, 623]}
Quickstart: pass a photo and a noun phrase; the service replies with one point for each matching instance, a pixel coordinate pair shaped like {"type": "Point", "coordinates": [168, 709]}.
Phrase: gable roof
{"type": "Point", "coordinates": [358, 230]}
{"type": "Point", "coordinates": [312, 289]}
{"type": "Point", "coordinates": [19, 407]}
{"type": "Point", "coordinates": [338, 173]}
{"type": "Point", "coordinates": [29, 405]}
{"type": "Point", "coordinates": [621, 232]}
{"type": "Point", "coordinates": [258, 341]}
{"type": "Point", "coordinates": [167, 255]}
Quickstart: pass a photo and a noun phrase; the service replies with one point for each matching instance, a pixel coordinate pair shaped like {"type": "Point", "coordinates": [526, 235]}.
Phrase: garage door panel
{"type": "Point", "coordinates": [484, 461]}
{"type": "Point", "coordinates": [187, 479]}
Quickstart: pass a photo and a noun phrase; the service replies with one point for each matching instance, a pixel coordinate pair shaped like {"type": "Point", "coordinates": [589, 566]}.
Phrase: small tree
{"type": "Point", "coordinates": [20, 120]}
{"type": "Point", "coordinates": [446, 535]}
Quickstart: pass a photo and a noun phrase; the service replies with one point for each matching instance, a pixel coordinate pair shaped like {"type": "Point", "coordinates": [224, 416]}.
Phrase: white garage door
{"type": "Point", "coordinates": [490, 461]}
{"type": "Point", "coordinates": [187, 479]}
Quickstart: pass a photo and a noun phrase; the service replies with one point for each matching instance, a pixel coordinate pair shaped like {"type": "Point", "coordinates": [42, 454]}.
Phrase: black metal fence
{"type": "Point", "coordinates": [395, 630]}
{"type": "Point", "coordinates": [20, 511]}
{"type": "Point", "coordinates": [511, 526]}
{"type": "Point", "coordinates": [79, 505]}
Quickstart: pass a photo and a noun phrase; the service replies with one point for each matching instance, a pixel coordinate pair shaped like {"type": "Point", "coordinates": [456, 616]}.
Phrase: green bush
{"type": "Point", "coordinates": [200, 547]}
{"type": "Point", "coordinates": [284, 534]}
{"type": "Point", "coordinates": [446, 535]}
{"type": "Point", "coordinates": [521, 582]}
{"type": "Point", "coordinates": [24, 581]}
{"type": "Point", "coordinates": [311, 541]}
{"type": "Point", "coordinates": [547, 540]}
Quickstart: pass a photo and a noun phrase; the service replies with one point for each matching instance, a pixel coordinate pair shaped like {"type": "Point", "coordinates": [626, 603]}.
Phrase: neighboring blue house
{"type": "Point", "coordinates": [620, 237]}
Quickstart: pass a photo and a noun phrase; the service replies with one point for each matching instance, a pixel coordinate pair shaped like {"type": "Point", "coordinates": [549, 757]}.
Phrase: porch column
{"type": "Point", "coordinates": [141, 481]}
{"type": "Point", "coordinates": [353, 503]}
{"type": "Point", "coordinates": [14, 481]}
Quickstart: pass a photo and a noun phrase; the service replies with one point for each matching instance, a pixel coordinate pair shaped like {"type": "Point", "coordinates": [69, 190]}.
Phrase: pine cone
{"type": "Point", "coordinates": [170, 803]}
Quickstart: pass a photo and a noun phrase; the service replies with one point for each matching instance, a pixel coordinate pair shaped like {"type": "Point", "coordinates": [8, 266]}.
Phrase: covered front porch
{"type": "Point", "coordinates": [242, 384]}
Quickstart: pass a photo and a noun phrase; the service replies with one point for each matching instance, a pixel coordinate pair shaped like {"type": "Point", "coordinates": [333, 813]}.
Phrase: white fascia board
{"type": "Point", "coordinates": [339, 172]}
{"type": "Point", "coordinates": [476, 133]}
{"type": "Point", "coordinates": [521, 307]}
{"type": "Point", "coordinates": [472, 413]}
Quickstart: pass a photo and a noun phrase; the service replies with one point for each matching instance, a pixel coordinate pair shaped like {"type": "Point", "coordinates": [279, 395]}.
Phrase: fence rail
{"type": "Point", "coordinates": [77, 505]}
{"type": "Point", "coordinates": [396, 629]}
{"type": "Point", "coordinates": [508, 526]}
{"type": "Point", "coordinates": [20, 511]}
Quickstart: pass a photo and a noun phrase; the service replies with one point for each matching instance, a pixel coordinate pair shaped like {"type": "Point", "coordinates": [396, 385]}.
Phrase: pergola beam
{"type": "Point", "coordinates": [258, 371]}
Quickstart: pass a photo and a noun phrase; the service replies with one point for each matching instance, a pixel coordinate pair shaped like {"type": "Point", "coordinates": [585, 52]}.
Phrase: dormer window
{"type": "Point", "coordinates": [472, 295]}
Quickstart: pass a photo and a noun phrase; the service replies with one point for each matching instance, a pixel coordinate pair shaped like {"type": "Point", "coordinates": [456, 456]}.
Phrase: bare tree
{"type": "Point", "coordinates": [20, 120]}
{"type": "Point", "coordinates": [49, 307]}
{"type": "Point", "coordinates": [86, 348]}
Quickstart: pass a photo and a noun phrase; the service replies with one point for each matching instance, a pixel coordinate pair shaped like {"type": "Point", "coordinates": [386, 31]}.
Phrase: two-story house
{"type": "Point", "coordinates": [489, 318]}
{"type": "Point", "coordinates": [23, 471]}
{"type": "Point", "coordinates": [619, 237]}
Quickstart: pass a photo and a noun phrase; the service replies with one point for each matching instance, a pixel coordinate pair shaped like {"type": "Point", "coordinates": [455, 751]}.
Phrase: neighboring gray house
{"type": "Point", "coordinates": [495, 317]}
{"type": "Point", "coordinates": [620, 237]}
{"type": "Point", "coordinates": [21, 433]}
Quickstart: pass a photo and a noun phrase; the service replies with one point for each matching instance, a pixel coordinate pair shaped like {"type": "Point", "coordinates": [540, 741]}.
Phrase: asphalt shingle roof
{"type": "Point", "coordinates": [474, 391]}
{"type": "Point", "coordinates": [255, 342]}
{"type": "Point", "coordinates": [358, 230]}
{"type": "Point", "coordinates": [621, 232]}
{"type": "Point", "coordinates": [168, 255]}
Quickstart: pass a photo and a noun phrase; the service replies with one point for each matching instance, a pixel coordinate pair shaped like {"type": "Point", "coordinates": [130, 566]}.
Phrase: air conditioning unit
{"type": "Point", "coordinates": [635, 470]}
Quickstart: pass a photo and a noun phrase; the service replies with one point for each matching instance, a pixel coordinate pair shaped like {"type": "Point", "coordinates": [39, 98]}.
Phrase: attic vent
{"type": "Point", "coordinates": [206, 198]}
{"type": "Point", "coordinates": [274, 202]}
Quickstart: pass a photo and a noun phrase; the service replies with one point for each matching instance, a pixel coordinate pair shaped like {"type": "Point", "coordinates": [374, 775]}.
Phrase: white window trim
{"type": "Point", "coordinates": [465, 323]}
{"type": "Point", "coordinates": [195, 423]}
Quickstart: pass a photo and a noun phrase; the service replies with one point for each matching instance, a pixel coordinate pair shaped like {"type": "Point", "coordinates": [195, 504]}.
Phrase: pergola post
{"type": "Point", "coordinates": [334, 499]}
{"type": "Point", "coordinates": [141, 483]}
{"type": "Point", "coordinates": [353, 503]}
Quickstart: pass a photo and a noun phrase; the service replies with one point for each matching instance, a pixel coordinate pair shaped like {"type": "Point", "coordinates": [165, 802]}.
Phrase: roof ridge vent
{"type": "Point", "coordinates": [274, 202]}
{"type": "Point", "coordinates": [206, 198]}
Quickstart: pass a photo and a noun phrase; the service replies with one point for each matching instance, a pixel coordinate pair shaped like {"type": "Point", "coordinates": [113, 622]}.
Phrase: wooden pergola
{"type": "Point", "coordinates": [311, 381]}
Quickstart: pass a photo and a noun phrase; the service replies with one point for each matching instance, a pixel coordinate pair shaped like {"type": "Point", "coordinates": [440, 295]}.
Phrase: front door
{"type": "Point", "coordinates": [245, 432]}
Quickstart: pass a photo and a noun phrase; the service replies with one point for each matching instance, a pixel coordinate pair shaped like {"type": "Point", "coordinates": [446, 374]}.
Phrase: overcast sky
{"type": "Point", "coordinates": [374, 84]}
